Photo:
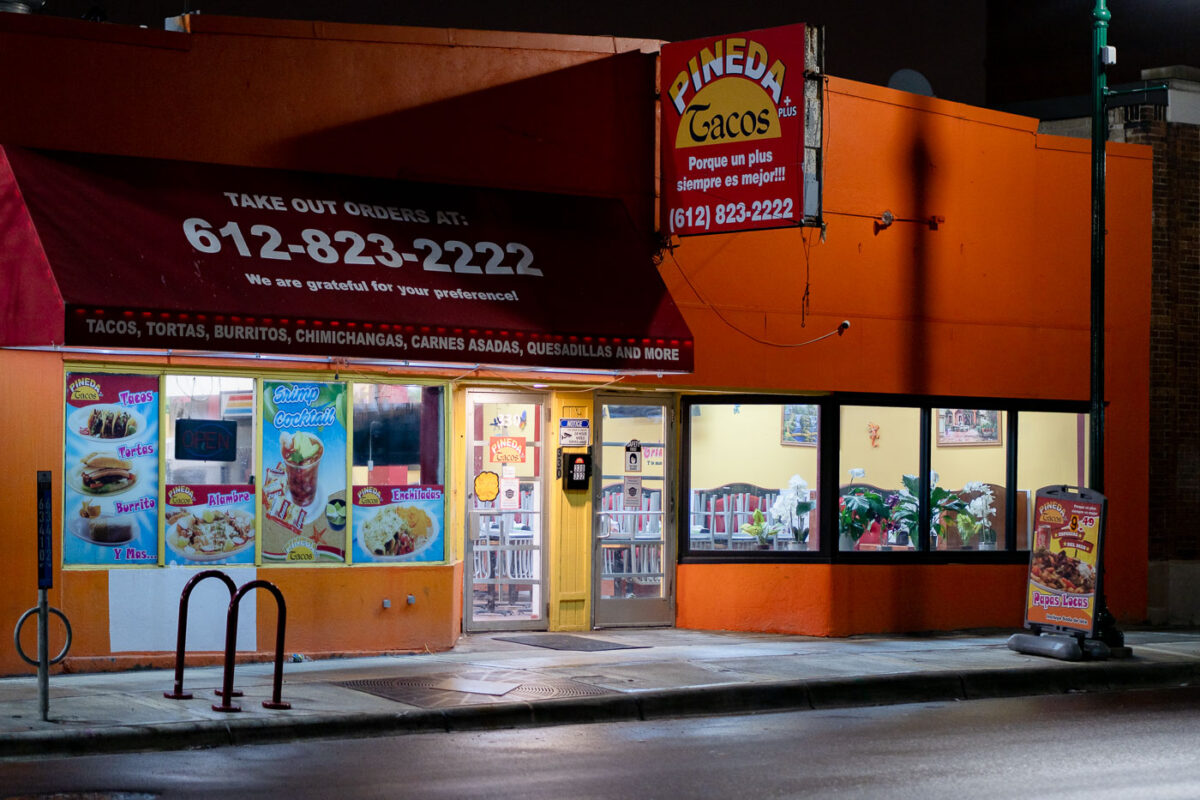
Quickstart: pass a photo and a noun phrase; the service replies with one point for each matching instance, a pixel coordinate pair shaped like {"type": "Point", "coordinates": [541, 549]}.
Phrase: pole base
{"type": "Point", "coordinates": [280, 706]}
{"type": "Point", "coordinates": [227, 709]}
{"type": "Point", "coordinates": [177, 695]}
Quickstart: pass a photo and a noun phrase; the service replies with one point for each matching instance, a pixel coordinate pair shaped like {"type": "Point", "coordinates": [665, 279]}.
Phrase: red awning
{"type": "Point", "coordinates": [106, 251]}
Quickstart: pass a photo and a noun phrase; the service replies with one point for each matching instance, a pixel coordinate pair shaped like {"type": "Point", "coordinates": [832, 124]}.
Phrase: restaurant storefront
{"type": "Point", "coordinates": [435, 388]}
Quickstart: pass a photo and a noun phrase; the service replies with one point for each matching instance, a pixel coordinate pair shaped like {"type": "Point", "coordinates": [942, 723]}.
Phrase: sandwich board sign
{"type": "Point", "coordinates": [1064, 582]}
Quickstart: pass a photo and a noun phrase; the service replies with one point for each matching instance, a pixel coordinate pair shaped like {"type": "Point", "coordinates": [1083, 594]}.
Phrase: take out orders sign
{"type": "Point", "coordinates": [733, 131]}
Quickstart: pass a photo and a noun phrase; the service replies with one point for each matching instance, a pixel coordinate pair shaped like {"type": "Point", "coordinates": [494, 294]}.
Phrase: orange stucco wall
{"type": "Point", "coordinates": [992, 303]}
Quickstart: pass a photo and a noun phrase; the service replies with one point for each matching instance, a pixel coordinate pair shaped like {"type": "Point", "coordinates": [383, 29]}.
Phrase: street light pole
{"type": "Point", "coordinates": [1100, 18]}
{"type": "Point", "coordinates": [1102, 55]}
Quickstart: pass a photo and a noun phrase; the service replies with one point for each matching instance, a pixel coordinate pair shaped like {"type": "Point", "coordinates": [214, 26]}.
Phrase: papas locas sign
{"type": "Point", "coordinates": [733, 131]}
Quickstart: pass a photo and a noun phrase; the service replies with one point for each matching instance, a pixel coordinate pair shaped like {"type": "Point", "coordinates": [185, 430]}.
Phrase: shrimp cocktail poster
{"type": "Point", "coordinates": [304, 471]}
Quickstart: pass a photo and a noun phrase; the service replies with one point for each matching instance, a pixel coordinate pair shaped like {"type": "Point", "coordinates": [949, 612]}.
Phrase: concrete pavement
{"type": "Point", "coordinates": [486, 682]}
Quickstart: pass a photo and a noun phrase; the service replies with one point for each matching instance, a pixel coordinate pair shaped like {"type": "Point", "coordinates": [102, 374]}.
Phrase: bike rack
{"type": "Point", "coordinates": [179, 693]}
{"type": "Point", "coordinates": [276, 701]}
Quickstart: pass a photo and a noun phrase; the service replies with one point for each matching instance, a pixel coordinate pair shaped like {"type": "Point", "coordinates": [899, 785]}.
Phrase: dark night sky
{"type": "Point", "coordinates": [977, 51]}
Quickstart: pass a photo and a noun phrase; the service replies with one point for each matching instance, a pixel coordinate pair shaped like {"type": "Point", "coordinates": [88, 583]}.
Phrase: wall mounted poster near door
{"type": "Point", "coordinates": [968, 426]}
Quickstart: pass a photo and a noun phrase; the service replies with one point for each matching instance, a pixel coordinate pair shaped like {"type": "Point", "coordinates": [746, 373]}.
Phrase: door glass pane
{"type": "Point", "coordinates": [630, 518]}
{"type": "Point", "coordinates": [880, 456]}
{"type": "Point", "coordinates": [969, 497]}
{"type": "Point", "coordinates": [747, 458]}
{"type": "Point", "coordinates": [505, 522]}
{"type": "Point", "coordinates": [1052, 448]}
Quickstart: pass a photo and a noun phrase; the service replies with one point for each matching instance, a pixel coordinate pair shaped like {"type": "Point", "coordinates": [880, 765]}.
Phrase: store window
{"type": "Point", "coordinates": [753, 477]}
{"type": "Point", "coordinates": [969, 499]}
{"type": "Point", "coordinates": [1052, 449]}
{"type": "Point", "coordinates": [972, 479]}
{"type": "Point", "coordinates": [209, 510]}
{"type": "Point", "coordinates": [877, 484]}
{"type": "Point", "coordinates": [398, 491]}
{"type": "Point", "coordinates": [210, 454]}
{"type": "Point", "coordinates": [397, 434]}
{"type": "Point", "coordinates": [221, 504]}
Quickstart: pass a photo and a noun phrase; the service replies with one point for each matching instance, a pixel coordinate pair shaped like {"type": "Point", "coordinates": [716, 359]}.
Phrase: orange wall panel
{"type": "Point", "coordinates": [339, 610]}
{"type": "Point", "coordinates": [827, 600]}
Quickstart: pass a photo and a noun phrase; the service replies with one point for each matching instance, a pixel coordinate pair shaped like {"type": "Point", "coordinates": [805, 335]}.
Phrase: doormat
{"type": "Point", "coordinates": [560, 641]}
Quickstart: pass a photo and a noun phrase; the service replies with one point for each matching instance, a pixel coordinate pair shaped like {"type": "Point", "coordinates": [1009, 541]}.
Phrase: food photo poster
{"type": "Point", "coordinates": [210, 524]}
{"type": "Point", "coordinates": [110, 469]}
{"type": "Point", "coordinates": [399, 523]}
{"type": "Point", "coordinates": [304, 471]}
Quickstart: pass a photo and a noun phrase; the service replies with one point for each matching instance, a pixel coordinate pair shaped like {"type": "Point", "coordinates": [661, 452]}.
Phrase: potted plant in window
{"type": "Point", "coordinates": [788, 513]}
{"type": "Point", "coordinates": [976, 519]}
{"type": "Point", "coordinates": [759, 529]}
{"type": "Point", "coordinates": [858, 509]}
{"type": "Point", "coordinates": [904, 509]}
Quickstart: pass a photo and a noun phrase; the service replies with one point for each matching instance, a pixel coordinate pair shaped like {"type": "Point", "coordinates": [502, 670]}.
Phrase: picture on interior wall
{"type": "Point", "coordinates": [800, 425]}
{"type": "Point", "coordinates": [968, 426]}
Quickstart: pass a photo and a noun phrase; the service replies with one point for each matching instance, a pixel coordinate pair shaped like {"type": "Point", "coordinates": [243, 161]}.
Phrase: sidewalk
{"type": "Point", "coordinates": [485, 682]}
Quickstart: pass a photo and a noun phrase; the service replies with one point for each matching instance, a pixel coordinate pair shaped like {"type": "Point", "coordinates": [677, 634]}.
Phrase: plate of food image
{"type": "Point", "coordinates": [103, 530]}
{"type": "Point", "coordinates": [106, 422]}
{"type": "Point", "coordinates": [102, 474]}
{"type": "Point", "coordinates": [398, 532]}
{"type": "Point", "coordinates": [211, 534]}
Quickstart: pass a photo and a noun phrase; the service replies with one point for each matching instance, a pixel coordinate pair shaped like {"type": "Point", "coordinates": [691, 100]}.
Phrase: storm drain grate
{"type": "Point", "coordinates": [430, 691]}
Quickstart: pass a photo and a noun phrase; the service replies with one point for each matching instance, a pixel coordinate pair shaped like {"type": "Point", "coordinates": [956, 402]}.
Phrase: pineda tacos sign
{"type": "Point", "coordinates": [733, 131]}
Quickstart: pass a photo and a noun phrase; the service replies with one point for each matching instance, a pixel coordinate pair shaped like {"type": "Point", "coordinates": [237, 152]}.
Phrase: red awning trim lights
{"type": "Point", "coordinates": [185, 316]}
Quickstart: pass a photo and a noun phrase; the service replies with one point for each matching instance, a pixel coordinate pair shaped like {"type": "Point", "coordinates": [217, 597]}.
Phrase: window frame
{"type": "Point", "coordinates": [828, 456]}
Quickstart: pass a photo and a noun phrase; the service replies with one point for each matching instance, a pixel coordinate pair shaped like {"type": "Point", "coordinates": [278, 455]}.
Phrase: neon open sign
{"type": "Point", "coordinates": [205, 440]}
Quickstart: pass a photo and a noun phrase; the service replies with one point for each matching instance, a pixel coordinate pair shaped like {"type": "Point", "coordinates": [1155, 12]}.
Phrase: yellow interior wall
{"type": "Point", "coordinates": [744, 447]}
{"type": "Point", "coordinates": [1047, 450]}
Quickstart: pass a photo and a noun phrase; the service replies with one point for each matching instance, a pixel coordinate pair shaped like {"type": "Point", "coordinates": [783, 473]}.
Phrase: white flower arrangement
{"type": "Point", "coordinates": [981, 511]}
{"type": "Point", "coordinates": [788, 512]}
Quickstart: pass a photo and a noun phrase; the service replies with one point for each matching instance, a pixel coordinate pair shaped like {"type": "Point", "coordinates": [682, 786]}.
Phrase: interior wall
{"type": "Point", "coordinates": [743, 444]}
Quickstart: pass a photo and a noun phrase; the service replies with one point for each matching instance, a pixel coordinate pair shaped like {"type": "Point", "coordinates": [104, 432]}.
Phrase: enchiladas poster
{"type": "Point", "coordinates": [304, 471]}
{"type": "Point", "coordinates": [110, 469]}
{"type": "Point", "coordinates": [210, 524]}
{"type": "Point", "coordinates": [399, 523]}
{"type": "Point", "coordinates": [1064, 561]}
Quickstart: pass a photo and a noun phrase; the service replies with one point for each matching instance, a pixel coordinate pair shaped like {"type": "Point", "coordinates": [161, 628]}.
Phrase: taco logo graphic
{"type": "Point", "coordinates": [368, 496]}
{"type": "Point", "coordinates": [1052, 513]}
{"type": "Point", "coordinates": [85, 389]}
{"type": "Point", "coordinates": [181, 496]}
{"type": "Point", "coordinates": [730, 91]}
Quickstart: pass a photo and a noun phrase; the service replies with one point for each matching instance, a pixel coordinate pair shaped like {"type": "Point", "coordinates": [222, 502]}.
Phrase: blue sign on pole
{"type": "Point", "coordinates": [45, 516]}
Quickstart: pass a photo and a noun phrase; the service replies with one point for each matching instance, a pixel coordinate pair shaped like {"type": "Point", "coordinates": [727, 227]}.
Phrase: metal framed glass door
{"type": "Point", "coordinates": [505, 567]}
{"type": "Point", "coordinates": [633, 540]}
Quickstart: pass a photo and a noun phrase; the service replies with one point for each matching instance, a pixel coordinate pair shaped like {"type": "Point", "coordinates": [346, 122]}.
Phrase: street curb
{"type": "Point", "coordinates": [716, 700]}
